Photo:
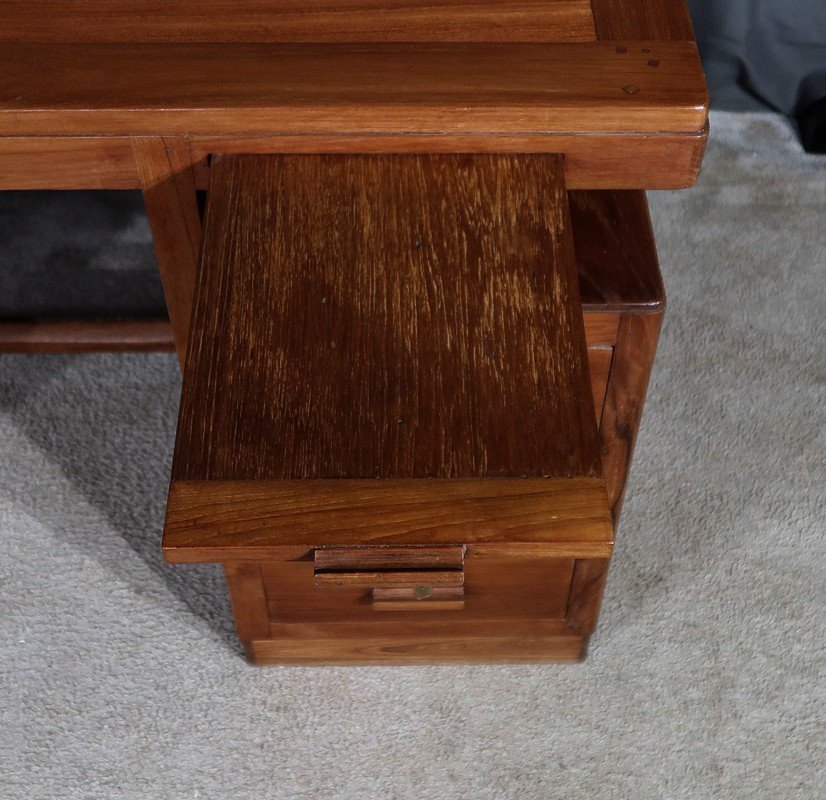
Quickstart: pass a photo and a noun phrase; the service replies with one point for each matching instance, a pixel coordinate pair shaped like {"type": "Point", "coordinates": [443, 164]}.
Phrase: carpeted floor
{"type": "Point", "coordinates": [121, 677]}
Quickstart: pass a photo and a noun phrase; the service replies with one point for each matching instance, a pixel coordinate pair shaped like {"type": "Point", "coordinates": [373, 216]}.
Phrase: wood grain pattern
{"type": "Point", "coordinates": [633, 360]}
{"type": "Point", "coordinates": [518, 588]}
{"type": "Point", "coordinates": [479, 88]}
{"type": "Point", "coordinates": [370, 580]}
{"type": "Point", "coordinates": [594, 161]}
{"type": "Point", "coordinates": [164, 166]}
{"type": "Point", "coordinates": [387, 317]}
{"type": "Point", "coordinates": [415, 644]}
{"type": "Point", "coordinates": [250, 520]}
{"type": "Point", "coordinates": [600, 327]}
{"type": "Point", "coordinates": [587, 586]}
{"type": "Point", "coordinates": [249, 603]}
{"type": "Point", "coordinates": [83, 162]}
{"type": "Point", "coordinates": [615, 251]}
{"type": "Point", "coordinates": [296, 21]}
{"type": "Point", "coordinates": [600, 360]}
{"type": "Point", "coordinates": [422, 557]}
{"type": "Point", "coordinates": [665, 20]}
{"type": "Point", "coordinates": [406, 599]}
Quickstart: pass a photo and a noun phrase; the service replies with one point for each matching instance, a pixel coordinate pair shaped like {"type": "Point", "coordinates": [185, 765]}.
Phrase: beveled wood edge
{"type": "Point", "coordinates": [216, 521]}
{"type": "Point", "coordinates": [618, 96]}
{"type": "Point", "coordinates": [592, 161]}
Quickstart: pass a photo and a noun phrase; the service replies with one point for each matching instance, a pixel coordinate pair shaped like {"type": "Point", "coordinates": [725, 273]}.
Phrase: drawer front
{"type": "Point", "coordinates": [491, 587]}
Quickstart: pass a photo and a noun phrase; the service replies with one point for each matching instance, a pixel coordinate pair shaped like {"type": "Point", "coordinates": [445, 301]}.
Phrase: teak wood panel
{"type": "Point", "coordinates": [595, 161]}
{"type": "Point", "coordinates": [514, 587]}
{"type": "Point", "coordinates": [464, 88]}
{"type": "Point", "coordinates": [254, 520]}
{"type": "Point", "coordinates": [297, 21]}
{"type": "Point", "coordinates": [168, 183]}
{"type": "Point", "coordinates": [666, 20]}
{"type": "Point", "coordinates": [387, 317]}
{"type": "Point", "coordinates": [417, 643]}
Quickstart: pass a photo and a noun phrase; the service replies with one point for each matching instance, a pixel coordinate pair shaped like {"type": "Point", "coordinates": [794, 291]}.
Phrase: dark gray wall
{"type": "Point", "coordinates": [763, 51]}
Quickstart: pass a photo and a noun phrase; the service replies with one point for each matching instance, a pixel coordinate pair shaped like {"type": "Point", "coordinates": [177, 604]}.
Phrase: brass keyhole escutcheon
{"type": "Point", "coordinates": [422, 592]}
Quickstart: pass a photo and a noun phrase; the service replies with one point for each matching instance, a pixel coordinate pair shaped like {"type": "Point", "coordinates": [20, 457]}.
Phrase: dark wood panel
{"type": "Point", "coordinates": [482, 88]}
{"type": "Point", "coordinates": [393, 316]}
{"type": "Point", "coordinates": [615, 250]}
{"type": "Point", "coordinates": [666, 20]}
{"type": "Point", "coordinates": [296, 21]}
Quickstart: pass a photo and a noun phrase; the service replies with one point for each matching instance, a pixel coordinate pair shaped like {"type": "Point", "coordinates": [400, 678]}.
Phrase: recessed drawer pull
{"type": "Point", "coordinates": [397, 567]}
{"type": "Point", "coordinates": [419, 598]}
{"type": "Point", "coordinates": [363, 559]}
{"type": "Point", "coordinates": [370, 580]}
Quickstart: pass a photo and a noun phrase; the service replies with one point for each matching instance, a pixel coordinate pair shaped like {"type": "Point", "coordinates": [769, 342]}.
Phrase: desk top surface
{"type": "Point", "coordinates": [316, 67]}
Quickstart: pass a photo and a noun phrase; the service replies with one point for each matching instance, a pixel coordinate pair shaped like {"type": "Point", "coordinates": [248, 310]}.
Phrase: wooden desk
{"type": "Point", "coordinates": [604, 98]}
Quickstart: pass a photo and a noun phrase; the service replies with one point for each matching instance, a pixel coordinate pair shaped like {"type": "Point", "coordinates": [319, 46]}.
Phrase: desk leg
{"type": "Point", "coordinates": [627, 386]}
{"type": "Point", "coordinates": [164, 166]}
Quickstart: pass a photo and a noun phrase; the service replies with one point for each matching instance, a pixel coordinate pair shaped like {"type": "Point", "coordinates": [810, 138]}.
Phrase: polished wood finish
{"type": "Point", "coordinates": [464, 88]}
{"type": "Point", "coordinates": [215, 520]}
{"type": "Point", "coordinates": [596, 161]}
{"type": "Point", "coordinates": [416, 643]}
{"type": "Point", "coordinates": [296, 21]}
{"type": "Point", "coordinates": [664, 20]}
{"type": "Point", "coordinates": [593, 161]}
{"type": "Point", "coordinates": [439, 598]}
{"type": "Point", "coordinates": [67, 162]}
{"type": "Point", "coordinates": [383, 578]}
{"type": "Point", "coordinates": [249, 601]}
{"type": "Point", "coordinates": [419, 557]}
{"type": "Point", "coordinates": [587, 586]}
{"type": "Point", "coordinates": [496, 588]}
{"type": "Point", "coordinates": [442, 336]}
{"type": "Point", "coordinates": [168, 184]}
{"type": "Point", "coordinates": [600, 360]}
{"type": "Point", "coordinates": [633, 359]}
{"type": "Point", "coordinates": [615, 252]}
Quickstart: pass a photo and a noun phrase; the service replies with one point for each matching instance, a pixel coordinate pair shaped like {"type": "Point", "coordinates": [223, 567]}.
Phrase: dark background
{"type": "Point", "coordinates": [766, 55]}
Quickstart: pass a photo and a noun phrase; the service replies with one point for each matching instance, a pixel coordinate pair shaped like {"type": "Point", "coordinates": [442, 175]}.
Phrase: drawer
{"type": "Point", "coordinates": [487, 587]}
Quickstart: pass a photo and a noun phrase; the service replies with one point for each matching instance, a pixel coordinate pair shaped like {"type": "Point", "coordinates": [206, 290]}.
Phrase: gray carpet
{"type": "Point", "coordinates": [121, 677]}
